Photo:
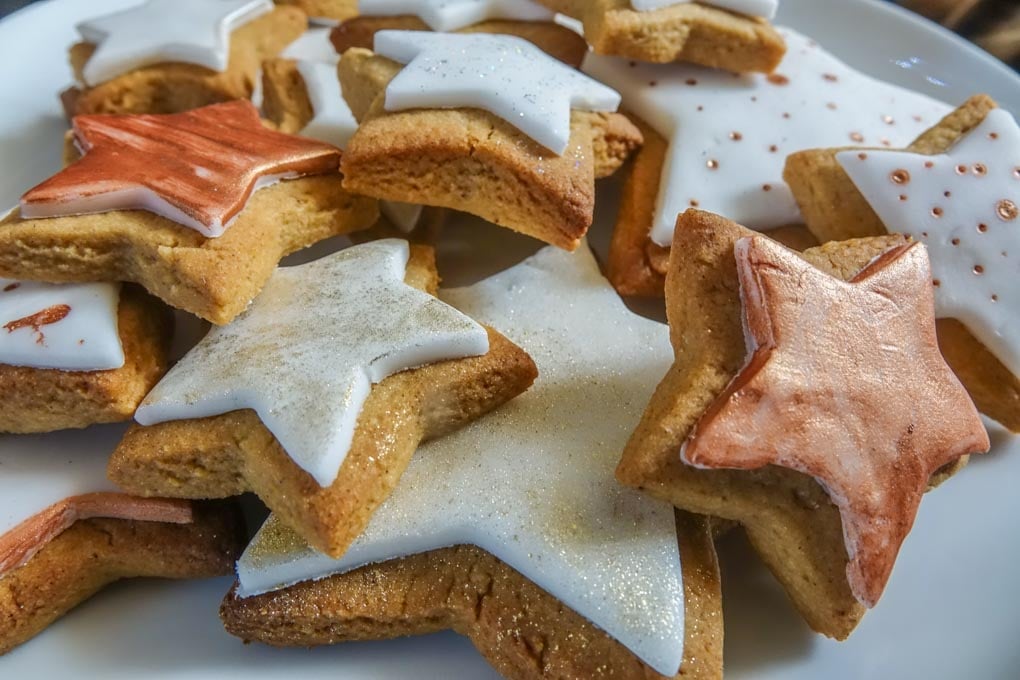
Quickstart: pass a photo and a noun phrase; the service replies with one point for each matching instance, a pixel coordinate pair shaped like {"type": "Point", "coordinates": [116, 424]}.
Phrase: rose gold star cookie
{"type": "Point", "coordinates": [822, 430]}
{"type": "Point", "coordinates": [145, 201]}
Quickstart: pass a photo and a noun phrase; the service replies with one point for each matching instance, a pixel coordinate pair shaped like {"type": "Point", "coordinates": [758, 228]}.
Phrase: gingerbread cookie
{"type": "Point", "coordinates": [67, 532]}
{"type": "Point", "coordinates": [718, 142]}
{"type": "Point", "coordinates": [79, 354]}
{"type": "Point", "coordinates": [957, 190]}
{"type": "Point", "coordinates": [168, 56]}
{"type": "Point", "coordinates": [821, 430]}
{"type": "Point", "coordinates": [561, 551]}
{"type": "Point", "coordinates": [190, 205]}
{"type": "Point", "coordinates": [317, 396]}
{"type": "Point", "coordinates": [522, 18]}
{"type": "Point", "coordinates": [508, 148]}
{"type": "Point", "coordinates": [728, 34]}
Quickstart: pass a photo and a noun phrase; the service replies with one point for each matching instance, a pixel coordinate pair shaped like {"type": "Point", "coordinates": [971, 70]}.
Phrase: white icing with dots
{"type": "Point", "coordinates": [533, 482]}
{"type": "Point", "coordinates": [504, 75]}
{"type": "Point", "coordinates": [965, 206]}
{"type": "Point", "coordinates": [190, 31]}
{"type": "Point", "coordinates": [730, 135]}
{"type": "Point", "coordinates": [306, 352]}
{"type": "Point", "coordinates": [754, 8]}
{"type": "Point", "coordinates": [71, 327]}
{"type": "Point", "coordinates": [451, 15]}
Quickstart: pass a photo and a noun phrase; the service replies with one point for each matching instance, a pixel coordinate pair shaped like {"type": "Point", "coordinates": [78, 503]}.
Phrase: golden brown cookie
{"type": "Point", "coordinates": [233, 453]}
{"type": "Point", "coordinates": [471, 160]}
{"type": "Point", "coordinates": [175, 87]}
{"type": "Point", "coordinates": [636, 264]}
{"type": "Point", "coordinates": [214, 278]}
{"type": "Point", "coordinates": [691, 32]}
{"type": "Point", "coordinates": [43, 400]}
{"type": "Point", "coordinates": [560, 42]}
{"type": "Point", "coordinates": [521, 630]}
{"type": "Point", "coordinates": [93, 553]}
{"type": "Point", "coordinates": [333, 10]}
{"type": "Point", "coordinates": [835, 209]}
{"type": "Point", "coordinates": [789, 518]}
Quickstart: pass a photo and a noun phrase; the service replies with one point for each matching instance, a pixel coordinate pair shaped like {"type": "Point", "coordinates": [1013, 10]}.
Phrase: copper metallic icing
{"type": "Point", "coordinates": [844, 382]}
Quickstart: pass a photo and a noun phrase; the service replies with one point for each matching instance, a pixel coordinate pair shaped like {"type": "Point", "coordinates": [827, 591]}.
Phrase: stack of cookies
{"type": "Point", "coordinates": [523, 460]}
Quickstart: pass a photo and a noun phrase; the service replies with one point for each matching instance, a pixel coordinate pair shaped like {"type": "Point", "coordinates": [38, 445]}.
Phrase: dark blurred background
{"type": "Point", "coordinates": [992, 24]}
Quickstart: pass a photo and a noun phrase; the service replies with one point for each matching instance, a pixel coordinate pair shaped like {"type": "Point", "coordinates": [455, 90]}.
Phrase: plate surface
{"type": "Point", "coordinates": [950, 609]}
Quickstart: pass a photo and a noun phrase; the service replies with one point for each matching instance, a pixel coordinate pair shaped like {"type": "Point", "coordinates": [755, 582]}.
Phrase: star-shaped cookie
{"type": "Point", "coordinates": [713, 34]}
{"type": "Point", "coordinates": [848, 411]}
{"type": "Point", "coordinates": [957, 190]}
{"type": "Point", "coordinates": [453, 15]}
{"type": "Point", "coordinates": [166, 56]}
{"type": "Point", "coordinates": [66, 532]}
{"type": "Point", "coordinates": [718, 142]}
{"type": "Point", "coordinates": [318, 395]}
{"type": "Point", "coordinates": [532, 484]}
{"type": "Point", "coordinates": [76, 355]}
{"type": "Point", "coordinates": [474, 160]}
{"type": "Point", "coordinates": [203, 169]}
{"type": "Point", "coordinates": [325, 12]}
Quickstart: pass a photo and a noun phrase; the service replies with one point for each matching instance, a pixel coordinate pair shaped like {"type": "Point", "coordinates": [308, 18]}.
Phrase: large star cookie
{"type": "Point", "coordinates": [317, 396]}
{"type": "Point", "coordinates": [66, 532]}
{"type": "Point", "coordinates": [531, 486]}
{"type": "Point", "coordinates": [475, 160]}
{"type": "Point", "coordinates": [957, 190]}
{"type": "Point", "coordinates": [75, 355]}
{"type": "Point", "coordinates": [718, 142]}
{"type": "Point", "coordinates": [162, 187]}
{"type": "Point", "coordinates": [822, 432]}
{"type": "Point", "coordinates": [166, 56]}
{"type": "Point", "coordinates": [727, 34]}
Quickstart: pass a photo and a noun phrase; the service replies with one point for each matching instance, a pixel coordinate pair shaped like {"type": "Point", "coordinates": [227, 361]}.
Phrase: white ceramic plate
{"type": "Point", "coordinates": [950, 610]}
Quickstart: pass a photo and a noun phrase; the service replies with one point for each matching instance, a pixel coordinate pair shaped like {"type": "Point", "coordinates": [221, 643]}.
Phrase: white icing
{"type": "Point", "coordinates": [730, 135]}
{"type": "Point", "coordinates": [504, 75]}
{"type": "Point", "coordinates": [754, 8]}
{"type": "Point", "coordinates": [306, 352]}
{"type": "Point", "coordinates": [451, 15]}
{"type": "Point", "coordinates": [333, 121]}
{"type": "Point", "coordinates": [313, 45]}
{"type": "Point", "coordinates": [533, 482]}
{"type": "Point", "coordinates": [190, 31]}
{"type": "Point", "coordinates": [142, 198]}
{"type": "Point", "coordinates": [952, 204]}
{"type": "Point", "coordinates": [75, 465]}
{"type": "Point", "coordinates": [86, 339]}
{"type": "Point", "coordinates": [404, 216]}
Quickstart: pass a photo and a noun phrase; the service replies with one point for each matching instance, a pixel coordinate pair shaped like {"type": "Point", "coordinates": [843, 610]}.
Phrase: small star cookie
{"type": "Point", "coordinates": [711, 33]}
{"type": "Point", "coordinates": [957, 190]}
{"type": "Point", "coordinates": [818, 432]}
{"type": "Point", "coordinates": [168, 56]}
{"type": "Point", "coordinates": [476, 160]}
{"type": "Point", "coordinates": [317, 396]}
{"type": "Point", "coordinates": [75, 355]}
{"type": "Point", "coordinates": [66, 532]}
{"type": "Point", "coordinates": [181, 211]}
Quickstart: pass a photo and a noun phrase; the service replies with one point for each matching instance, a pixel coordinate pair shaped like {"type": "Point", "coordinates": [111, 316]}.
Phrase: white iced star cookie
{"type": "Point", "coordinates": [533, 483]}
{"type": "Point", "coordinates": [189, 31]}
{"type": "Point", "coordinates": [504, 75]}
{"type": "Point", "coordinates": [71, 327]}
{"type": "Point", "coordinates": [965, 206]}
{"type": "Point", "coordinates": [729, 135]}
{"type": "Point", "coordinates": [305, 354]}
{"type": "Point", "coordinates": [754, 8]}
{"type": "Point", "coordinates": [451, 15]}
